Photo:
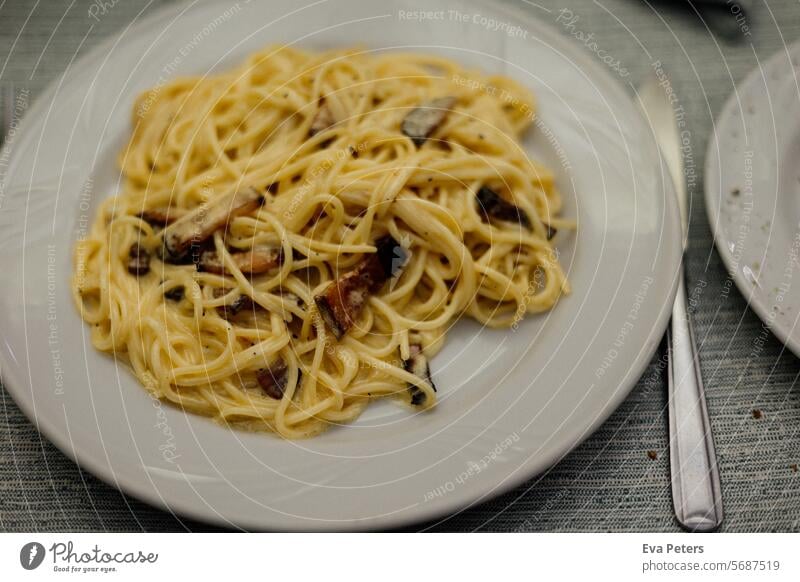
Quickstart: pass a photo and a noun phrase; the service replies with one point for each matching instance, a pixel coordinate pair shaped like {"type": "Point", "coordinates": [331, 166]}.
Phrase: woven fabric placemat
{"type": "Point", "coordinates": [618, 479]}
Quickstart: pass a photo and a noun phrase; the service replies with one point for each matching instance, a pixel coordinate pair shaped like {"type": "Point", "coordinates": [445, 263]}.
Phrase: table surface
{"type": "Point", "coordinates": [617, 480]}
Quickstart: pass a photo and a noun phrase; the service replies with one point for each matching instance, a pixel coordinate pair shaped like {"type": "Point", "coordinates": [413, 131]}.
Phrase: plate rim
{"type": "Point", "coordinates": [711, 169]}
{"type": "Point", "coordinates": [447, 507]}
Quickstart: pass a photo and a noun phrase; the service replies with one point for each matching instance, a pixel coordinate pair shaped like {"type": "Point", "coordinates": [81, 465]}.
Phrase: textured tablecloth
{"type": "Point", "coordinates": [618, 480]}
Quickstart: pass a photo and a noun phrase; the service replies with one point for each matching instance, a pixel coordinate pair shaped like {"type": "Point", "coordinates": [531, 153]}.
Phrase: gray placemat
{"type": "Point", "coordinates": [618, 480]}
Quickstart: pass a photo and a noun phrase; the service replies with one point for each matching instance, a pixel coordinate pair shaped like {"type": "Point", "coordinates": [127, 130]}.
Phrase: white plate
{"type": "Point", "coordinates": [512, 402]}
{"type": "Point", "coordinates": [752, 189]}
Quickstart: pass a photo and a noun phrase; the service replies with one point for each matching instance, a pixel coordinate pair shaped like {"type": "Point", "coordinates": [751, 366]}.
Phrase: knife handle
{"type": "Point", "coordinates": [696, 492]}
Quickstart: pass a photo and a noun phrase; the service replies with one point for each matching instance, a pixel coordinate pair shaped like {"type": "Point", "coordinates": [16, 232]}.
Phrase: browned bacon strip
{"type": "Point", "coordinates": [343, 300]}
{"type": "Point", "coordinates": [199, 224]}
{"type": "Point", "coordinates": [421, 122]}
{"type": "Point", "coordinates": [253, 262]}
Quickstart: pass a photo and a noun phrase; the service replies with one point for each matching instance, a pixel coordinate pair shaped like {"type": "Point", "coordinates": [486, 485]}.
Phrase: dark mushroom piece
{"type": "Point", "coordinates": [161, 216]}
{"type": "Point", "coordinates": [253, 262]}
{"type": "Point", "coordinates": [175, 294]}
{"type": "Point", "coordinates": [417, 364]}
{"type": "Point", "coordinates": [491, 205]}
{"type": "Point", "coordinates": [240, 303]}
{"type": "Point", "coordinates": [422, 121]}
{"type": "Point", "coordinates": [323, 120]}
{"type": "Point", "coordinates": [197, 226]}
{"type": "Point", "coordinates": [343, 300]}
{"type": "Point", "coordinates": [273, 379]}
{"type": "Point", "coordinates": [138, 260]}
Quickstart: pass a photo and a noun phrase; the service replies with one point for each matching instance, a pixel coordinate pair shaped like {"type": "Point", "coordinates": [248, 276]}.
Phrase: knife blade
{"type": "Point", "coordinates": [660, 113]}
{"type": "Point", "coordinates": [696, 490]}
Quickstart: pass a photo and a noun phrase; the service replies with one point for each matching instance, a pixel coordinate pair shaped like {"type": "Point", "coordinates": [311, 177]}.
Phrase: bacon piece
{"type": "Point", "coordinates": [421, 122]}
{"type": "Point", "coordinates": [273, 380]}
{"type": "Point", "coordinates": [198, 225]}
{"type": "Point", "coordinates": [138, 260]}
{"type": "Point", "coordinates": [253, 262]}
{"type": "Point", "coordinates": [343, 300]}
{"type": "Point", "coordinates": [491, 205]}
{"type": "Point", "coordinates": [417, 364]}
{"type": "Point", "coordinates": [162, 216]}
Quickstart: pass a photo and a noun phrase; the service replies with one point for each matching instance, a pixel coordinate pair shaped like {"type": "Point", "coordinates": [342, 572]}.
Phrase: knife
{"type": "Point", "coordinates": [696, 492]}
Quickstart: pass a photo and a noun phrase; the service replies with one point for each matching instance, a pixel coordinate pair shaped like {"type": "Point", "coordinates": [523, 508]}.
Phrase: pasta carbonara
{"type": "Point", "coordinates": [294, 237]}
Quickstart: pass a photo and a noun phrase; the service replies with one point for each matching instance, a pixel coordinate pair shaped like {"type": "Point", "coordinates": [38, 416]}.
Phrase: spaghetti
{"type": "Point", "coordinates": [294, 237]}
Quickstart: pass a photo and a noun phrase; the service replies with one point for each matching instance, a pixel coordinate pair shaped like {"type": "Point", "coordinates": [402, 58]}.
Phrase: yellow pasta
{"type": "Point", "coordinates": [324, 146]}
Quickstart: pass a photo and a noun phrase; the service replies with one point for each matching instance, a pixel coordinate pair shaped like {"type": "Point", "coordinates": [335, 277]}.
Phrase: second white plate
{"type": "Point", "coordinates": [752, 191]}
